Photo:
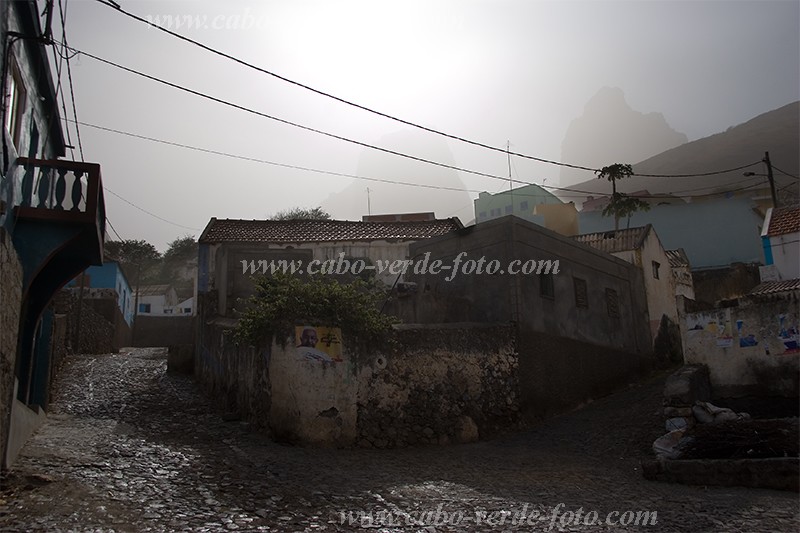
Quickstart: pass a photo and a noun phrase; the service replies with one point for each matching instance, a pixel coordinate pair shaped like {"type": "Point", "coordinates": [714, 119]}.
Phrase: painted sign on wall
{"type": "Point", "coordinates": [319, 343]}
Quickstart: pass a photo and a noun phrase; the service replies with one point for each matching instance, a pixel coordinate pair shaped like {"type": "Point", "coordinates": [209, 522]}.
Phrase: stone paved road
{"type": "Point", "coordinates": [130, 448]}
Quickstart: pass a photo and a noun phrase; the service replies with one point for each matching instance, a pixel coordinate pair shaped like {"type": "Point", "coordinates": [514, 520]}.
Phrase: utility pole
{"type": "Point", "coordinates": [369, 206]}
{"type": "Point", "coordinates": [771, 179]}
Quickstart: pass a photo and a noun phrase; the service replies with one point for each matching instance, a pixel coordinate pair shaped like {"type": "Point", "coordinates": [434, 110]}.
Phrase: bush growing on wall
{"type": "Point", "coordinates": [282, 301]}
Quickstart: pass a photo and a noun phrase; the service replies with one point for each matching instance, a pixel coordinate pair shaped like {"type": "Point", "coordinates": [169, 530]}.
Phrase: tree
{"type": "Point", "coordinates": [620, 205]}
{"type": "Point", "coordinates": [181, 254]}
{"type": "Point", "coordinates": [301, 213]}
{"type": "Point", "coordinates": [139, 258]}
{"type": "Point", "coordinates": [281, 301]}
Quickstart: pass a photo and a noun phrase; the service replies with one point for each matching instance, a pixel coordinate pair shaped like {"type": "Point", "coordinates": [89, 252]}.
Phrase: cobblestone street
{"type": "Point", "coordinates": [129, 447]}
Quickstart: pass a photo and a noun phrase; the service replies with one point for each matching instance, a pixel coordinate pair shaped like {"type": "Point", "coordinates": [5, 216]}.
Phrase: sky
{"type": "Point", "coordinates": [500, 72]}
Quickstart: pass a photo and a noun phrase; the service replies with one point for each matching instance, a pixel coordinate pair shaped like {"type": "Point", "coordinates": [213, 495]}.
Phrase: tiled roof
{"type": "Point", "coordinates": [772, 287]}
{"type": "Point", "coordinates": [153, 290]}
{"type": "Point", "coordinates": [615, 241]}
{"type": "Point", "coordinates": [677, 258]}
{"type": "Point", "coordinates": [784, 220]}
{"type": "Point", "coordinates": [297, 231]}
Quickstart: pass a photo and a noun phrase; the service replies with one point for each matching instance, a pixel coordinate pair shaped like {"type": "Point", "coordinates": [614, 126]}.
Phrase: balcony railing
{"type": "Point", "coordinates": [59, 190]}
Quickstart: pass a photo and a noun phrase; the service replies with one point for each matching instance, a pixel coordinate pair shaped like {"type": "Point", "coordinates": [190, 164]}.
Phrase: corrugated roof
{"type": "Point", "coordinates": [615, 241]}
{"type": "Point", "coordinates": [297, 231]}
{"type": "Point", "coordinates": [677, 258]}
{"type": "Point", "coordinates": [772, 287]}
{"type": "Point", "coordinates": [784, 220]}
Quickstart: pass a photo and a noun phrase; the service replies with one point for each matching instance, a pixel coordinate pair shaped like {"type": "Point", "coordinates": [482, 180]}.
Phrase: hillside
{"type": "Point", "coordinates": [777, 131]}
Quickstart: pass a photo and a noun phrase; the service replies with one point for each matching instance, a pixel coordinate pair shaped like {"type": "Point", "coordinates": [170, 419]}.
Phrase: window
{"type": "Point", "coordinates": [496, 212]}
{"type": "Point", "coordinates": [581, 292]}
{"type": "Point", "coordinates": [167, 311]}
{"type": "Point", "coordinates": [656, 266]}
{"type": "Point", "coordinates": [15, 98]}
{"type": "Point", "coordinates": [546, 286]}
{"type": "Point", "coordinates": [523, 206]}
{"type": "Point", "coordinates": [144, 308]}
{"type": "Point", "coordinates": [187, 310]}
{"type": "Point", "coordinates": [612, 303]}
{"type": "Point", "coordinates": [482, 215]}
{"type": "Point", "coordinates": [509, 209]}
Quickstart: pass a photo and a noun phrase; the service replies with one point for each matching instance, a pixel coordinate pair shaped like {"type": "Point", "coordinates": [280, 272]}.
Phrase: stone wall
{"type": "Point", "coordinates": [435, 385]}
{"type": "Point", "coordinates": [442, 385]}
{"type": "Point", "coordinates": [750, 350]}
{"type": "Point", "coordinates": [10, 300]}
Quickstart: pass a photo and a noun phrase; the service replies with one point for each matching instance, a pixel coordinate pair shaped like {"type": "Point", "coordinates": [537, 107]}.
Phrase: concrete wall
{"type": "Point", "coordinates": [505, 298]}
{"type": "Point", "coordinates": [10, 298]}
{"type": "Point", "coordinates": [162, 330]}
{"type": "Point", "coordinates": [785, 251]}
{"type": "Point", "coordinates": [438, 384]}
{"type": "Point", "coordinates": [748, 348]}
{"type": "Point", "coordinates": [686, 226]}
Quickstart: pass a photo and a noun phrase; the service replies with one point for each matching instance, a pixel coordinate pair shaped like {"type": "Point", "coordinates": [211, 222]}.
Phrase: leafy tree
{"type": "Point", "coordinates": [139, 258]}
{"type": "Point", "coordinates": [181, 253]}
{"type": "Point", "coordinates": [282, 301]}
{"type": "Point", "coordinates": [621, 205]}
{"type": "Point", "coordinates": [301, 213]}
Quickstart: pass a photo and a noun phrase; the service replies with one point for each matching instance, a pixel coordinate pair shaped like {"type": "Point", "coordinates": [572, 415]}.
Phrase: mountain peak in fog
{"type": "Point", "coordinates": [610, 131]}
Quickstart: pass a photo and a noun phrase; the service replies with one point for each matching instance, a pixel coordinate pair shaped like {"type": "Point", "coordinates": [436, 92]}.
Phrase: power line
{"type": "Point", "coordinates": [267, 162]}
{"type": "Point", "coordinates": [288, 122]}
{"type": "Point", "coordinates": [69, 77]}
{"type": "Point", "coordinates": [112, 229]}
{"type": "Point", "coordinates": [784, 172]}
{"type": "Point", "coordinates": [394, 182]}
{"type": "Point", "coordinates": [698, 175]}
{"type": "Point", "coordinates": [148, 212]}
{"type": "Point", "coordinates": [262, 70]}
{"type": "Point", "coordinates": [337, 98]}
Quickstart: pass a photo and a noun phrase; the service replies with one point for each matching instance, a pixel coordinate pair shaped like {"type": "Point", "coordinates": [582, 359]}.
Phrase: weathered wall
{"type": "Point", "coordinates": [725, 283]}
{"type": "Point", "coordinates": [437, 385]}
{"type": "Point", "coordinates": [236, 377]}
{"type": "Point", "coordinates": [558, 374]}
{"type": "Point", "coordinates": [441, 385]}
{"type": "Point", "coordinates": [10, 298]}
{"type": "Point", "coordinates": [748, 349]}
{"type": "Point", "coordinates": [505, 298]}
{"type": "Point", "coordinates": [155, 331]}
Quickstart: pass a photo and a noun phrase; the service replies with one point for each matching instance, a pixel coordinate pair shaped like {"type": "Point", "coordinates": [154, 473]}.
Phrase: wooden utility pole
{"type": "Point", "coordinates": [771, 179]}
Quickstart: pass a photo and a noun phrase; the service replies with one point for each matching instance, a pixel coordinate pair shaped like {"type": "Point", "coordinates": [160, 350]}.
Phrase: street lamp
{"type": "Point", "coordinates": [769, 177]}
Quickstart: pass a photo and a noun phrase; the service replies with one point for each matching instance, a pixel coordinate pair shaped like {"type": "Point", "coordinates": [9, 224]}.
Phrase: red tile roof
{"type": "Point", "coordinates": [297, 231]}
{"type": "Point", "coordinates": [772, 287]}
{"type": "Point", "coordinates": [784, 220]}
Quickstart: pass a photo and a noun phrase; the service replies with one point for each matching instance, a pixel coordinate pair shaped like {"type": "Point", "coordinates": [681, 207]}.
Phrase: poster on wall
{"type": "Point", "coordinates": [746, 339]}
{"type": "Point", "coordinates": [319, 343]}
{"type": "Point", "coordinates": [788, 335]}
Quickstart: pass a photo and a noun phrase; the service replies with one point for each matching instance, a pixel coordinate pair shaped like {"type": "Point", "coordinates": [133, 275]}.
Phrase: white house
{"type": "Point", "coordinates": [156, 300]}
{"type": "Point", "coordinates": [781, 240]}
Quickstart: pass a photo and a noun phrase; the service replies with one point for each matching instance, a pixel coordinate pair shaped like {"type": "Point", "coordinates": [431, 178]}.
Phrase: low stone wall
{"type": "Point", "coordinates": [750, 350]}
{"type": "Point", "coordinates": [442, 385]}
{"type": "Point", "coordinates": [436, 385]}
{"type": "Point", "coordinates": [782, 473]}
{"type": "Point", "coordinates": [10, 300]}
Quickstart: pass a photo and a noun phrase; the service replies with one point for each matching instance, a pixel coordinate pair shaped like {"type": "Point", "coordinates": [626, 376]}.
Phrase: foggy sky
{"type": "Point", "coordinates": [491, 71]}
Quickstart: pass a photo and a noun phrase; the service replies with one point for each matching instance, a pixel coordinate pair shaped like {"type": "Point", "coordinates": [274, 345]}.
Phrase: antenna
{"type": "Point", "coordinates": [369, 207]}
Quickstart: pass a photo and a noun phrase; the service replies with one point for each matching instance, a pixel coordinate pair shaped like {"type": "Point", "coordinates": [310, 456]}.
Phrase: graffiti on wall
{"type": "Point", "coordinates": [319, 343]}
{"type": "Point", "coordinates": [788, 334]}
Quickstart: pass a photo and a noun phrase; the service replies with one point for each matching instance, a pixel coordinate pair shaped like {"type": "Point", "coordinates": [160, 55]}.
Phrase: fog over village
{"type": "Point", "coordinates": [405, 266]}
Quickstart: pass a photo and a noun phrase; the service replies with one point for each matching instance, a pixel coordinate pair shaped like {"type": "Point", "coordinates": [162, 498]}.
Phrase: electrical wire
{"type": "Point", "coordinates": [273, 163]}
{"type": "Point", "coordinates": [148, 212]}
{"type": "Point", "coordinates": [244, 63]}
{"type": "Point", "coordinates": [784, 172]}
{"type": "Point", "coordinates": [334, 97]}
{"type": "Point", "coordinates": [71, 87]}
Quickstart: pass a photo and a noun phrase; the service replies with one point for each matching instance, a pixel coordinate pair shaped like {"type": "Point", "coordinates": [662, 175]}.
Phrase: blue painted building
{"type": "Point", "coordinates": [713, 233]}
{"type": "Point", "coordinates": [110, 276]}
